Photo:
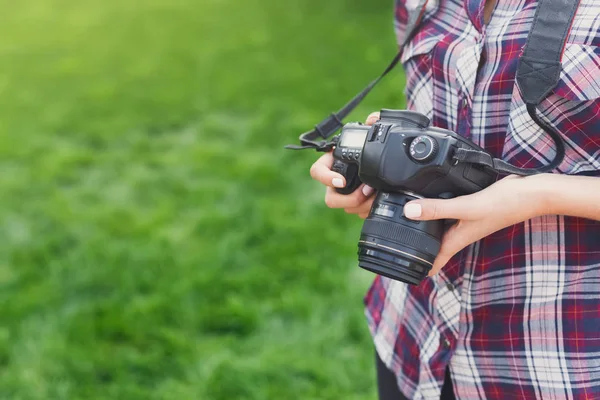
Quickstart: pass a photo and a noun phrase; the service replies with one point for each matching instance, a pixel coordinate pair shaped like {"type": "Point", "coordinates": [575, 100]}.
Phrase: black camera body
{"type": "Point", "coordinates": [401, 152]}
{"type": "Point", "coordinates": [404, 158]}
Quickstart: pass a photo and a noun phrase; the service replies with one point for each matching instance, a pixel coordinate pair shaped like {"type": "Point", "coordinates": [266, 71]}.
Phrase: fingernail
{"type": "Point", "coordinates": [412, 210]}
{"type": "Point", "coordinates": [367, 190]}
{"type": "Point", "coordinates": [337, 182]}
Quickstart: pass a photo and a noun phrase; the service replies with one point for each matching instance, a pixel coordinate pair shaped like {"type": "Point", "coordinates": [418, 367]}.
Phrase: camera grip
{"type": "Point", "coordinates": [350, 172]}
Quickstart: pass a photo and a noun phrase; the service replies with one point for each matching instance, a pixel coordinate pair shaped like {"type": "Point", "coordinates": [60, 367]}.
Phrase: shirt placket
{"type": "Point", "coordinates": [447, 306]}
{"type": "Point", "coordinates": [468, 65]}
{"type": "Point", "coordinates": [463, 78]}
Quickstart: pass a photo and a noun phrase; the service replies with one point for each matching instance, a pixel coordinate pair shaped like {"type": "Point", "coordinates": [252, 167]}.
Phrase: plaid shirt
{"type": "Point", "coordinates": [517, 314]}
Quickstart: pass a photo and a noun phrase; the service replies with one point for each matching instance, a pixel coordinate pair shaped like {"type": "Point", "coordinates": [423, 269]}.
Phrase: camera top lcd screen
{"type": "Point", "coordinates": [354, 138]}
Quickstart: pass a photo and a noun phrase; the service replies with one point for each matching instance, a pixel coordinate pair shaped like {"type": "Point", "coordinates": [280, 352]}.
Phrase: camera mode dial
{"type": "Point", "coordinates": [423, 148]}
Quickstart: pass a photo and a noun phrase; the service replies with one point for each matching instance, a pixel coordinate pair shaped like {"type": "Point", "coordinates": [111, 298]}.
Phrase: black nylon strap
{"type": "Point", "coordinates": [315, 137]}
{"type": "Point", "coordinates": [329, 125]}
{"type": "Point", "coordinates": [539, 66]}
{"type": "Point", "coordinates": [485, 159]}
{"type": "Point", "coordinates": [538, 73]}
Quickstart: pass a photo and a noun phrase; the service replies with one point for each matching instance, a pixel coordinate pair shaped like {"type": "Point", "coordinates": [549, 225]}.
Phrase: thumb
{"type": "Point", "coordinates": [372, 118]}
{"type": "Point", "coordinates": [431, 209]}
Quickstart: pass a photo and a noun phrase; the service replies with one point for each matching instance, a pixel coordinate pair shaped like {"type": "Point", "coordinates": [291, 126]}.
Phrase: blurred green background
{"type": "Point", "coordinates": [156, 241]}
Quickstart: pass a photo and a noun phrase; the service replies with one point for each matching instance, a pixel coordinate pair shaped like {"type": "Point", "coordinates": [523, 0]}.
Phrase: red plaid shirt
{"type": "Point", "coordinates": [517, 314]}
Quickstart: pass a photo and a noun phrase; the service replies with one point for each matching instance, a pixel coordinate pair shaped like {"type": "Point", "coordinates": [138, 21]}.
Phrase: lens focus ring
{"type": "Point", "coordinates": [402, 234]}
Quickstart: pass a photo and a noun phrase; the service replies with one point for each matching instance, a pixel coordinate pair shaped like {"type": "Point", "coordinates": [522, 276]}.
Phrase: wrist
{"type": "Point", "coordinates": [541, 193]}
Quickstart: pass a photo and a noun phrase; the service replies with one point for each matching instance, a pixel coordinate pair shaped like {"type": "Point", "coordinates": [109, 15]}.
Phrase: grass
{"type": "Point", "coordinates": [156, 241]}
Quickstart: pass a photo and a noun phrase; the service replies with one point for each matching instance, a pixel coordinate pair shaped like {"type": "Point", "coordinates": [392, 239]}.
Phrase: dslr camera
{"type": "Point", "coordinates": [404, 158]}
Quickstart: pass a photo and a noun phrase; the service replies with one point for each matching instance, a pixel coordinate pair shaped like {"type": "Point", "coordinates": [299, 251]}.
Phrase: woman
{"type": "Point", "coordinates": [512, 305]}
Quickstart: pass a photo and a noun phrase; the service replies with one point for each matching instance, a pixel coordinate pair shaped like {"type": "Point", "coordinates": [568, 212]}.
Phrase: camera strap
{"type": "Point", "coordinates": [538, 73]}
{"type": "Point", "coordinates": [317, 137]}
{"type": "Point", "coordinates": [485, 159]}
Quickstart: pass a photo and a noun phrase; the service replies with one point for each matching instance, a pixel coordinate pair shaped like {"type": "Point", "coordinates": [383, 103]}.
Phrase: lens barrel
{"type": "Point", "coordinates": [394, 246]}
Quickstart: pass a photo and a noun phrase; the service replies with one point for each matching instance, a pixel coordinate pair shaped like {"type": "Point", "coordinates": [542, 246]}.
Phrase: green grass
{"type": "Point", "coordinates": [156, 241]}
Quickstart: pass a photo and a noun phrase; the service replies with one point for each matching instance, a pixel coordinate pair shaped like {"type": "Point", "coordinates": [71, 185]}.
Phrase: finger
{"type": "Point", "coordinates": [363, 208]}
{"type": "Point", "coordinates": [432, 209]}
{"type": "Point", "coordinates": [356, 210]}
{"type": "Point", "coordinates": [367, 190]}
{"type": "Point", "coordinates": [440, 262]}
{"type": "Point", "coordinates": [372, 118]}
{"type": "Point", "coordinates": [459, 236]}
{"type": "Point", "coordinates": [360, 211]}
{"type": "Point", "coordinates": [321, 171]}
{"type": "Point", "coordinates": [449, 248]}
{"type": "Point", "coordinates": [335, 200]}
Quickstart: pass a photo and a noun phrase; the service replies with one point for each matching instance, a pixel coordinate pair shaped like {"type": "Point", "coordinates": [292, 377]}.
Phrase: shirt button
{"type": "Point", "coordinates": [450, 287]}
{"type": "Point", "coordinates": [447, 343]}
{"type": "Point", "coordinates": [465, 103]}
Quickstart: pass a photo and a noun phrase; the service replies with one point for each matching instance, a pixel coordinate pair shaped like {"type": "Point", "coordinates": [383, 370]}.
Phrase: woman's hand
{"type": "Point", "coordinates": [507, 202]}
{"type": "Point", "coordinates": [359, 202]}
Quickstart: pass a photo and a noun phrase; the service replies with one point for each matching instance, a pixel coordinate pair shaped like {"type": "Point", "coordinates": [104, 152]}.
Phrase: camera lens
{"type": "Point", "coordinates": [394, 246]}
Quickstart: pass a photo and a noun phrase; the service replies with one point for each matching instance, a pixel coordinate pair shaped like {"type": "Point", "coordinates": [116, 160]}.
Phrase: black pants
{"type": "Point", "coordinates": [388, 386]}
